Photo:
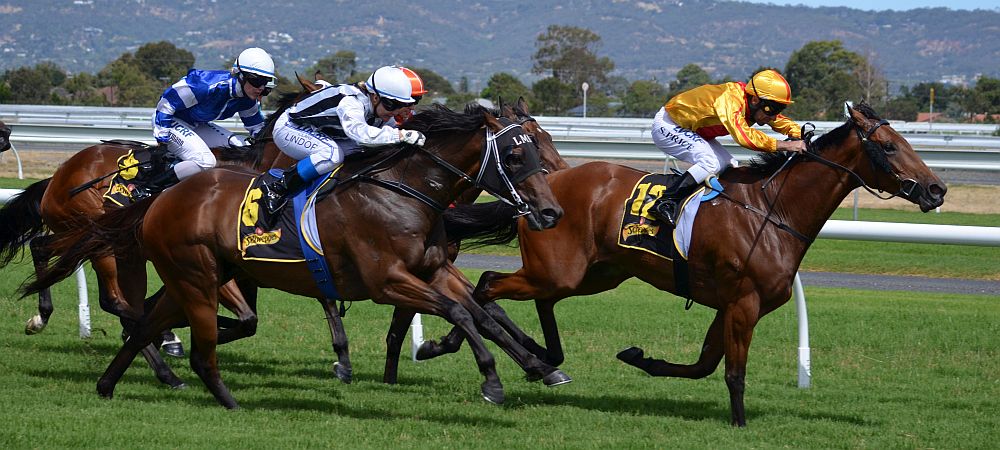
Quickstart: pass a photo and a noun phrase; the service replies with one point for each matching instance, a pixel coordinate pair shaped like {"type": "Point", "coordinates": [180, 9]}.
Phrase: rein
{"type": "Point", "coordinates": [490, 148]}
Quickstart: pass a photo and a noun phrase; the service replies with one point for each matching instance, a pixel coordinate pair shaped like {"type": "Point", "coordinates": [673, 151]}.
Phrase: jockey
{"type": "Point", "coordinates": [686, 128]}
{"type": "Point", "coordinates": [184, 114]}
{"type": "Point", "coordinates": [338, 120]}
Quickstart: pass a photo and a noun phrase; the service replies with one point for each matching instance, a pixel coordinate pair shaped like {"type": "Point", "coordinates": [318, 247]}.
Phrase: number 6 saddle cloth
{"type": "Point", "coordinates": [292, 236]}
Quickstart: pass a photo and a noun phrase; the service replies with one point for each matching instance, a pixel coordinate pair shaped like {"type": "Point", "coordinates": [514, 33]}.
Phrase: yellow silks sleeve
{"type": "Point", "coordinates": [731, 110]}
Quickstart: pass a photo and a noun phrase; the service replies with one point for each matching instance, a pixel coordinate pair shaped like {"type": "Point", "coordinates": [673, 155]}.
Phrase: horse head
{"type": "Point", "coordinates": [511, 164]}
{"type": "Point", "coordinates": [551, 160]}
{"type": "Point", "coordinates": [4, 137]}
{"type": "Point", "coordinates": [894, 166]}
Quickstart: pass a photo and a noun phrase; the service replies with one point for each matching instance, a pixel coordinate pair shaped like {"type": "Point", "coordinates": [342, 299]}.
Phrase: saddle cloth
{"type": "Point", "coordinates": [139, 164]}
{"type": "Point", "coordinates": [293, 237]}
{"type": "Point", "coordinates": [641, 231]}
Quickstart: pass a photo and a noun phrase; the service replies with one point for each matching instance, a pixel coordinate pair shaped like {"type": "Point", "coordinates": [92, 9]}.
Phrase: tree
{"type": "Point", "coordinates": [339, 67]}
{"type": "Point", "coordinates": [33, 85]}
{"type": "Point", "coordinates": [984, 98]}
{"type": "Point", "coordinates": [163, 61]}
{"type": "Point", "coordinates": [133, 87]}
{"type": "Point", "coordinates": [505, 86]}
{"type": "Point", "coordinates": [644, 98]}
{"type": "Point", "coordinates": [823, 75]}
{"type": "Point", "coordinates": [690, 76]}
{"type": "Point", "coordinates": [569, 54]}
{"type": "Point", "coordinates": [552, 97]}
{"type": "Point", "coordinates": [82, 89]}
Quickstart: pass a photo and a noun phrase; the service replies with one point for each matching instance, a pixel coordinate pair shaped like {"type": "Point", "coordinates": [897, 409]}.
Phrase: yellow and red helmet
{"type": "Point", "coordinates": [770, 85]}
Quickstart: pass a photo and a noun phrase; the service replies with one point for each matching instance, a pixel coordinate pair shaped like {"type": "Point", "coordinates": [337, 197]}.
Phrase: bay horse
{"type": "Point", "coordinates": [382, 238]}
{"type": "Point", "coordinates": [75, 193]}
{"type": "Point", "coordinates": [746, 244]}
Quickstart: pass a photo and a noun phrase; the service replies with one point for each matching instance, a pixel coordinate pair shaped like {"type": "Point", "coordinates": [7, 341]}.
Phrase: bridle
{"type": "Point", "coordinates": [909, 188]}
{"type": "Point", "coordinates": [491, 158]}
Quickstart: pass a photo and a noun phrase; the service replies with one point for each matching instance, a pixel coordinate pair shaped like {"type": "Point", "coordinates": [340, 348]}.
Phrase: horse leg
{"type": "Point", "coordinates": [531, 364]}
{"type": "Point", "coordinates": [40, 258]}
{"type": "Point", "coordinates": [712, 352]}
{"type": "Point", "coordinates": [452, 342]}
{"type": "Point", "coordinates": [162, 316]}
{"type": "Point", "coordinates": [240, 297]}
{"type": "Point", "coordinates": [401, 318]}
{"type": "Point", "coordinates": [150, 353]}
{"type": "Point", "coordinates": [341, 368]}
{"type": "Point", "coordinates": [110, 295]}
{"type": "Point", "coordinates": [204, 339]}
{"type": "Point", "coordinates": [740, 319]}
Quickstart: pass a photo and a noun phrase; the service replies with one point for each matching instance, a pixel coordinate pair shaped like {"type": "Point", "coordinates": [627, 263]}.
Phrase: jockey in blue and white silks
{"type": "Point", "coordinates": [184, 114]}
{"type": "Point", "coordinates": [322, 128]}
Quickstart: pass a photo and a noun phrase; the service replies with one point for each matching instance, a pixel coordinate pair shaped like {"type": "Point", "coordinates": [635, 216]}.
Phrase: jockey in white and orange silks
{"type": "Point", "coordinates": [327, 125]}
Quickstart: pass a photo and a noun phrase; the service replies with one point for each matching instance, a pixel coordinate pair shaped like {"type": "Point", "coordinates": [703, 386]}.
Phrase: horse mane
{"type": "Point", "coordinates": [768, 163]}
{"type": "Point", "coordinates": [439, 119]}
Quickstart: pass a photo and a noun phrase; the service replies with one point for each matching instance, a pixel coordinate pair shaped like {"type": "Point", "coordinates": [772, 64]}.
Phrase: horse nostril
{"type": "Point", "coordinates": [937, 190]}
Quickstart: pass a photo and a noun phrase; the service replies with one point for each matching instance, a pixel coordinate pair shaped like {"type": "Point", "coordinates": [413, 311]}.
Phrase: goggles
{"type": "Point", "coordinates": [392, 105]}
{"type": "Point", "coordinates": [771, 107]}
{"type": "Point", "coordinates": [255, 80]}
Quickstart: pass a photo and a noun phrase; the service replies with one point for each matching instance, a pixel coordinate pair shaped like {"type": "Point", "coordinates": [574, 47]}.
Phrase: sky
{"type": "Point", "coordinates": [898, 5]}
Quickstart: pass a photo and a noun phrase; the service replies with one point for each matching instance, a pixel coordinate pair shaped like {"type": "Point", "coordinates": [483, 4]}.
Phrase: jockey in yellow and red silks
{"type": "Point", "coordinates": [686, 128]}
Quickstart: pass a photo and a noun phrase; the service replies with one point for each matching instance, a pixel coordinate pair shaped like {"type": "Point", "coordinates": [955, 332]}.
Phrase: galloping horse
{"type": "Point", "coordinates": [75, 192]}
{"type": "Point", "coordinates": [746, 244]}
{"type": "Point", "coordinates": [382, 238]}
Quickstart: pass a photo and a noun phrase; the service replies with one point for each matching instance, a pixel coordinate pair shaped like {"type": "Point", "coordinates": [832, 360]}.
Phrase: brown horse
{"type": "Point", "coordinates": [75, 192]}
{"type": "Point", "coordinates": [393, 254]}
{"type": "Point", "coordinates": [746, 246]}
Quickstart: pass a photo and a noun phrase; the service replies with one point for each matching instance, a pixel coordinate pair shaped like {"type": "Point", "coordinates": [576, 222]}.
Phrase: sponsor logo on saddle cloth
{"type": "Point", "coordinates": [281, 241]}
{"type": "Point", "coordinates": [640, 231]}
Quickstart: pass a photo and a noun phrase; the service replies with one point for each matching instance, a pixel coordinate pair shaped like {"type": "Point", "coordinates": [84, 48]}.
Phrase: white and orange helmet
{"type": "Point", "coordinates": [396, 83]}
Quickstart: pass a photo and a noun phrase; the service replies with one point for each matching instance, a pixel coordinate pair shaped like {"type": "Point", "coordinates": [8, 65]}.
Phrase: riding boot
{"type": "Point", "coordinates": [276, 192]}
{"type": "Point", "coordinates": [155, 185]}
{"type": "Point", "coordinates": [668, 205]}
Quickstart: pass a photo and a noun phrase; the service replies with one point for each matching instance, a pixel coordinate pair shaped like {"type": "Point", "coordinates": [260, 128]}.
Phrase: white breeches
{"type": "Point", "coordinates": [708, 157]}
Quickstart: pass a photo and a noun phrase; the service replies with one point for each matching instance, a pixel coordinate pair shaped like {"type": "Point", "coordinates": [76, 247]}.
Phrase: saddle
{"type": "Point", "coordinates": [136, 168]}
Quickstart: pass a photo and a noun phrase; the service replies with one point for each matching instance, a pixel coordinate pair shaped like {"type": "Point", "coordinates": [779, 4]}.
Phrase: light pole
{"type": "Point", "coordinates": [585, 86]}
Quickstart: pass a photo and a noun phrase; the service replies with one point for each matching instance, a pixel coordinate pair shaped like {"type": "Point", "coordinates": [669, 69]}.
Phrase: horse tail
{"type": "Point", "coordinates": [481, 224]}
{"type": "Point", "coordinates": [21, 220]}
{"type": "Point", "coordinates": [115, 232]}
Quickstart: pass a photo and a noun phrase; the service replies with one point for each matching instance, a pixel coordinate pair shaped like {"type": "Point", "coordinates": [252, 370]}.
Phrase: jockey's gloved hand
{"type": "Point", "coordinates": [238, 141]}
{"type": "Point", "coordinates": [412, 137]}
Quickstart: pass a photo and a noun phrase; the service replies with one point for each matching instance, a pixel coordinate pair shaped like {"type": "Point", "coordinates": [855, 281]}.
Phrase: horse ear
{"type": "Point", "coordinates": [309, 86]}
{"type": "Point", "coordinates": [522, 106]}
{"type": "Point", "coordinates": [491, 121]}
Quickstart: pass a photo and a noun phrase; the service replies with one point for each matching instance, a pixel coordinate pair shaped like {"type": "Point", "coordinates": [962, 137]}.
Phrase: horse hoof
{"type": "Point", "coordinates": [105, 391]}
{"type": "Point", "coordinates": [35, 325]}
{"type": "Point", "coordinates": [175, 349]}
{"type": "Point", "coordinates": [179, 386]}
{"type": "Point", "coordinates": [556, 378]}
{"type": "Point", "coordinates": [343, 372]}
{"type": "Point", "coordinates": [427, 350]}
{"type": "Point", "coordinates": [493, 394]}
{"type": "Point", "coordinates": [630, 355]}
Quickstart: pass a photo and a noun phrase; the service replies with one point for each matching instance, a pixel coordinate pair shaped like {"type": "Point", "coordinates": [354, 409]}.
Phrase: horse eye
{"type": "Point", "coordinates": [889, 148]}
{"type": "Point", "coordinates": [513, 159]}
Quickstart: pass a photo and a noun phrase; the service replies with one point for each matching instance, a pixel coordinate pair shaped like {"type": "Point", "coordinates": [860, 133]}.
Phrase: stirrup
{"type": "Point", "coordinates": [664, 210]}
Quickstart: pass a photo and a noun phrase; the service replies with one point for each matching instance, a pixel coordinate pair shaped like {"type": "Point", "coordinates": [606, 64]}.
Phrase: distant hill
{"type": "Point", "coordinates": [645, 39]}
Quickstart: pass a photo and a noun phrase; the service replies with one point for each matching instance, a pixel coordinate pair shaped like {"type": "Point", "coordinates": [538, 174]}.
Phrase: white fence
{"type": "Point", "coordinates": [941, 146]}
